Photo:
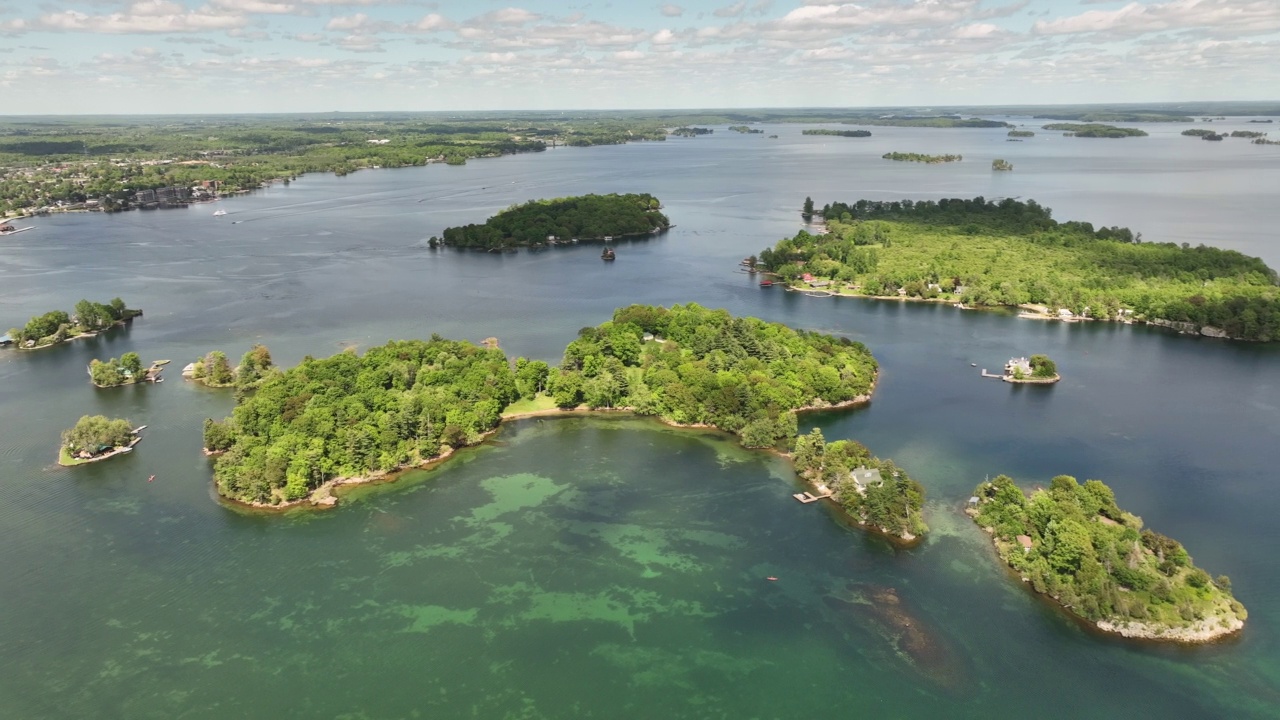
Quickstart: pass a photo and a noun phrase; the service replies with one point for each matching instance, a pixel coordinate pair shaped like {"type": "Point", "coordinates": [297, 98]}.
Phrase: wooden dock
{"type": "Point", "coordinates": [986, 374]}
{"type": "Point", "coordinates": [807, 497]}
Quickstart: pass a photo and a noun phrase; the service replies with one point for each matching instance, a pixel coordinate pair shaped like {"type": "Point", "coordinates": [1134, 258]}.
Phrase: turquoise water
{"type": "Point", "coordinates": [611, 567]}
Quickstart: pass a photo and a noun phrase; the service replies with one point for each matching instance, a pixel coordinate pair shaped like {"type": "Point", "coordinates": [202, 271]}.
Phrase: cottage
{"type": "Point", "coordinates": [865, 476]}
{"type": "Point", "coordinates": [1065, 313]}
{"type": "Point", "coordinates": [1018, 365]}
{"type": "Point", "coordinates": [806, 277]}
{"type": "Point", "coordinates": [1025, 542]}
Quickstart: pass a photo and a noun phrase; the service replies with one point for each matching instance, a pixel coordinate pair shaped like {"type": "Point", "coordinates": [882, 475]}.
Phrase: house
{"type": "Point", "coordinates": [1065, 313]}
{"type": "Point", "coordinates": [806, 277]}
{"type": "Point", "coordinates": [1016, 365]}
{"type": "Point", "coordinates": [1025, 542]}
{"type": "Point", "coordinates": [973, 501]}
{"type": "Point", "coordinates": [819, 283]}
{"type": "Point", "coordinates": [865, 476]}
{"type": "Point", "coordinates": [5, 340]}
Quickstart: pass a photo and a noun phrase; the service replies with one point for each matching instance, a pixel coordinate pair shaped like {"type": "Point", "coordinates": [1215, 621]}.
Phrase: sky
{"type": "Point", "coordinates": [211, 56]}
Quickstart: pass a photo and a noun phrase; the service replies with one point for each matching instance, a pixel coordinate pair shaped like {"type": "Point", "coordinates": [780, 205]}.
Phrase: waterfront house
{"type": "Point", "coordinates": [1065, 313]}
{"type": "Point", "coordinates": [1018, 364]}
{"type": "Point", "coordinates": [865, 476]}
{"type": "Point", "coordinates": [1025, 542]}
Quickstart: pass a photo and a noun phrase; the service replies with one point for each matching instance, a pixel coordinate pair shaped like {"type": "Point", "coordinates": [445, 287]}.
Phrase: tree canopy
{"type": "Point", "coordinates": [56, 326]}
{"type": "Point", "coordinates": [96, 434]}
{"type": "Point", "coordinates": [1009, 252]}
{"type": "Point", "coordinates": [563, 219]}
{"type": "Point", "coordinates": [1096, 559]}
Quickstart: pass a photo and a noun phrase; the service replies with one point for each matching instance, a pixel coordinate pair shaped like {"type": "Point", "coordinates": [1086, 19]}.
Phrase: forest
{"type": "Point", "coordinates": [929, 121]}
{"type": "Point", "coordinates": [891, 502]}
{"type": "Point", "coordinates": [921, 158]}
{"type": "Point", "coordinates": [409, 401]}
{"type": "Point", "coordinates": [1095, 130]}
{"type": "Point", "coordinates": [539, 222]}
{"type": "Point", "coordinates": [838, 133]}
{"type": "Point", "coordinates": [705, 367]}
{"type": "Point", "coordinates": [1073, 543]}
{"type": "Point", "coordinates": [980, 252]}
{"type": "Point", "coordinates": [57, 326]}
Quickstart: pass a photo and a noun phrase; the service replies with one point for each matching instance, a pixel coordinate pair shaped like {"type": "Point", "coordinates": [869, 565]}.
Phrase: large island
{"type": "Point", "coordinates": [1074, 544]}
{"type": "Point", "coordinates": [1011, 253]}
{"type": "Point", "coordinates": [562, 220]}
{"type": "Point", "coordinates": [348, 418]}
{"type": "Point", "coordinates": [57, 326]}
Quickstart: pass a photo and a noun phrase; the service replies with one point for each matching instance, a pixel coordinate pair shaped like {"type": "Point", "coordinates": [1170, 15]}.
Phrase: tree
{"type": "Point", "coordinates": [216, 369]}
{"type": "Point", "coordinates": [131, 364]}
{"type": "Point", "coordinates": [218, 436]}
{"type": "Point", "coordinates": [106, 374]}
{"type": "Point", "coordinates": [95, 434]}
{"type": "Point", "coordinates": [808, 207]}
{"type": "Point", "coordinates": [1042, 366]}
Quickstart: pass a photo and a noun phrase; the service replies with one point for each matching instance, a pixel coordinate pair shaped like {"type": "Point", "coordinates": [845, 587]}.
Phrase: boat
{"type": "Point", "coordinates": [608, 254]}
{"type": "Point", "coordinates": [766, 283]}
{"type": "Point", "coordinates": [7, 229]}
{"type": "Point", "coordinates": [219, 212]}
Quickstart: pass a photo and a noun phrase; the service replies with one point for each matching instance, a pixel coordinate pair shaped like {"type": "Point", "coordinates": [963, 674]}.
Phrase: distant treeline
{"type": "Point", "coordinates": [839, 133]}
{"type": "Point", "coordinates": [919, 157]}
{"type": "Point", "coordinates": [1110, 117]}
{"type": "Point", "coordinates": [1095, 130]}
{"type": "Point", "coordinates": [538, 222]}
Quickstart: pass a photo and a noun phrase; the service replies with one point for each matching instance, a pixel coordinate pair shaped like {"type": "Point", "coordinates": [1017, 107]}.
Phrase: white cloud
{"type": "Point", "coordinates": [728, 11]}
{"type": "Point", "coordinates": [670, 10]}
{"type": "Point", "coordinates": [505, 16]}
{"type": "Point", "coordinates": [223, 50]}
{"type": "Point", "coordinates": [155, 16]}
{"type": "Point", "coordinates": [1236, 16]}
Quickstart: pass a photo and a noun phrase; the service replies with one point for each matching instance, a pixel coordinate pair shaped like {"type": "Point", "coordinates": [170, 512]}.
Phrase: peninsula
{"type": "Point", "coordinates": [1012, 253]}
{"type": "Point", "coordinates": [95, 438]}
{"type": "Point", "coordinates": [1072, 543]}
{"type": "Point", "coordinates": [57, 326]}
{"type": "Point", "coordinates": [349, 419]}
{"type": "Point", "coordinates": [560, 221]}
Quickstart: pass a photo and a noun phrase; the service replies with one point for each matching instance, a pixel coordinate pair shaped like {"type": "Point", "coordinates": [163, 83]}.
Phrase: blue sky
{"type": "Point", "coordinates": [197, 56]}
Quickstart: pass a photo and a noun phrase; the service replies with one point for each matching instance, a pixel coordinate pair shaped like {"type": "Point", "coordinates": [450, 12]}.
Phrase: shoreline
{"type": "Point", "coordinates": [75, 461]}
{"type": "Point", "coordinates": [325, 495]}
{"type": "Point", "coordinates": [1208, 631]}
{"type": "Point", "coordinates": [94, 333]}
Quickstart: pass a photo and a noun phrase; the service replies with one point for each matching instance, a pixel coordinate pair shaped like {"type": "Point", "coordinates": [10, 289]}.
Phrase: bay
{"type": "Point", "coordinates": [612, 567]}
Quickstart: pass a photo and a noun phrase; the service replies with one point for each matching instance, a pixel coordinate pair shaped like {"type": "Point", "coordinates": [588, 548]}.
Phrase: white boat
{"type": "Point", "coordinates": [219, 212]}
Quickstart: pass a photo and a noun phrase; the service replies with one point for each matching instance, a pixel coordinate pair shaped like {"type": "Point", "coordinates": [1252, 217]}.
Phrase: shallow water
{"type": "Point", "coordinates": [613, 567]}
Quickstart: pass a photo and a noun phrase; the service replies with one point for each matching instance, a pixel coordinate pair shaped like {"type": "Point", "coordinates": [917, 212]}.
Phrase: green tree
{"type": "Point", "coordinates": [217, 371]}
{"type": "Point", "coordinates": [131, 364]}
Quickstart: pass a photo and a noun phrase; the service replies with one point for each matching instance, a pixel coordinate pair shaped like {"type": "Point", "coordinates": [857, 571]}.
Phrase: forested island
{"type": "Point", "coordinates": [348, 417]}
{"type": "Point", "coordinates": [691, 131]}
{"type": "Point", "coordinates": [745, 130]}
{"type": "Point", "coordinates": [1001, 165]}
{"type": "Point", "coordinates": [96, 437]}
{"type": "Point", "coordinates": [926, 121]}
{"type": "Point", "coordinates": [838, 133]}
{"type": "Point", "coordinates": [1074, 544]}
{"type": "Point", "coordinates": [918, 157]}
{"type": "Point", "coordinates": [113, 373]}
{"type": "Point", "coordinates": [1094, 116]}
{"type": "Point", "coordinates": [1247, 134]}
{"type": "Point", "coordinates": [1037, 369]}
{"type": "Point", "coordinates": [983, 253]}
{"type": "Point", "coordinates": [1021, 133]}
{"type": "Point", "coordinates": [562, 220]}
{"type": "Point", "coordinates": [57, 326]}
{"type": "Point", "coordinates": [1095, 130]}
{"type": "Point", "coordinates": [1197, 132]}
{"type": "Point", "coordinates": [215, 371]}
{"type": "Point", "coordinates": [875, 492]}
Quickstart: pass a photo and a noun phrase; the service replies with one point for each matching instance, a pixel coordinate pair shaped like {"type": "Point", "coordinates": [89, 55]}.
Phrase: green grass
{"type": "Point", "coordinates": [538, 404]}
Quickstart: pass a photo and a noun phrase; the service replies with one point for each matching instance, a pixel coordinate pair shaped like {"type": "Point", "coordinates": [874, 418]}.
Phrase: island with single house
{"type": "Point", "coordinates": [562, 221]}
{"type": "Point", "coordinates": [95, 438]}
{"type": "Point", "coordinates": [1035, 370]}
{"type": "Point", "coordinates": [213, 370]}
{"type": "Point", "coordinates": [1072, 543]}
{"type": "Point", "coordinates": [127, 370]}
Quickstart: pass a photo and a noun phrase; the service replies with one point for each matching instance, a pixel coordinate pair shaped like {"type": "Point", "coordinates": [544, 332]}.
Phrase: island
{"type": "Point", "coordinates": [95, 438]}
{"type": "Point", "coordinates": [350, 419]}
{"type": "Point", "coordinates": [1197, 132]}
{"type": "Point", "coordinates": [125, 371]}
{"type": "Point", "coordinates": [1072, 543]}
{"type": "Point", "coordinates": [746, 130]}
{"type": "Point", "coordinates": [1001, 165]}
{"type": "Point", "coordinates": [925, 121]}
{"type": "Point", "coordinates": [54, 327]}
{"type": "Point", "coordinates": [1264, 141]}
{"type": "Point", "coordinates": [1110, 117]}
{"type": "Point", "coordinates": [1021, 133]}
{"type": "Point", "coordinates": [918, 157]}
{"type": "Point", "coordinates": [876, 493]}
{"type": "Point", "coordinates": [1036, 370]}
{"type": "Point", "coordinates": [980, 253]}
{"type": "Point", "coordinates": [213, 370]}
{"type": "Point", "coordinates": [560, 221]}
{"type": "Point", "coordinates": [1247, 134]}
{"type": "Point", "coordinates": [1095, 130]}
{"type": "Point", "coordinates": [691, 131]}
{"type": "Point", "coordinates": [839, 133]}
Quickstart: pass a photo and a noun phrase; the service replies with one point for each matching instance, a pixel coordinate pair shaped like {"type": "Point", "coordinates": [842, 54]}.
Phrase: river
{"type": "Point", "coordinates": [613, 567]}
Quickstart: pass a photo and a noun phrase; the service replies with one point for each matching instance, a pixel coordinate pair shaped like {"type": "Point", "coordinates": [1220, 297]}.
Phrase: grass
{"type": "Point", "coordinates": [539, 403]}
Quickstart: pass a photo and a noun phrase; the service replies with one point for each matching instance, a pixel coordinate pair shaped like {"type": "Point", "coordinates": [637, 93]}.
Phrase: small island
{"type": "Point", "coordinates": [1095, 130]}
{"type": "Point", "coordinates": [1247, 134]}
{"type": "Point", "coordinates": [746, 130]}
{"type": "Point", "coordinates": [213, 370]}
{"type": "Point", "coordinates": [691, 131]}
{"type": "Point", "coordinates": [127, 370]}
{"type": "Point", "coordinates": [95, 438]}
{"type": "Point", "coordinates": [54, 327]}
{"type": "Point", "coordinates": [1197, 132]}
{"type": "Point", "coordinates": [1036, 370]}
{"type": "Point", "coordinates": [921, 158]}
{"type": "Point", "coordinates": [1000, 165]}
{"type": "Point", "coordinates": [875, 492]}
{"type": "Point", "coordinates": [839, 133]}
{"type": "Point", "coordinates": [925, 121]}
{"type": "Point", "coordinates": [350, 419]}
{"type": "Point", "coordinates": [1021, 133]}
{"type": "Point", "coordinates": [1073, 544]}
{"type": "Point", "coordinates": [562, 221]}
{"type": "Point", "coordinates": [1264, 141]}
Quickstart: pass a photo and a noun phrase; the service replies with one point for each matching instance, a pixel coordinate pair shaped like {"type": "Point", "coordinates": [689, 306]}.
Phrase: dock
{"type": "Point", "coordinates": [808, 497]}
{"type": "Point", "coordinates": [986, 374]}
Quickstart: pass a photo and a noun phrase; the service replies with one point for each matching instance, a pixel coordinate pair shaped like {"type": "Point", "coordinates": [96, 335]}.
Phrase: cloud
{"type": "Point", "coordinates": [268, 7]}
{"type": "Point", "coordinates": [670, 10]}
{"type": "Point", "coordinates": [505, 16]}
{"type": "Point", "coordinates": [1206, 16]}
{"type": "Point", "coordinates": [149, 16]}
{"type": "Point", "coordinates": [731, 11]}
{"type": "Point", "coordinates": [223, 50]}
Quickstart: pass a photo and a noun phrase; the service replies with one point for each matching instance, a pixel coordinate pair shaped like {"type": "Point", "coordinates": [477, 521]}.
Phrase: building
{"type": "Point", "coordinates": [1025, 542]}
{"type": "Point", "coordinates": [865, 476]}
{"type": "Point", "coordinates": [1016, 365]}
